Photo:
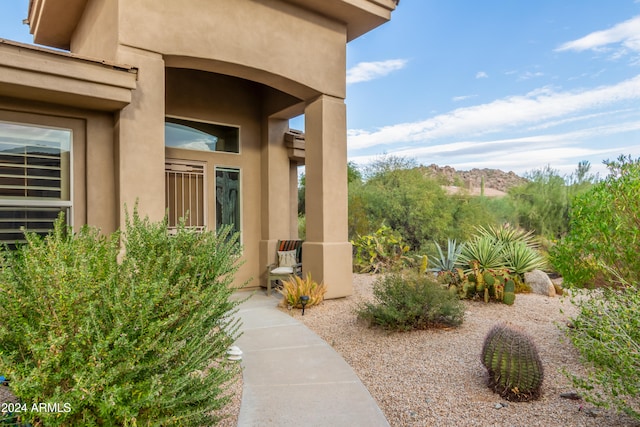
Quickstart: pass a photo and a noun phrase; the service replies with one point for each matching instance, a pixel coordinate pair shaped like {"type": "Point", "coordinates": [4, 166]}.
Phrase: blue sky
{"type": "Point", "coordinates": [515, 85]}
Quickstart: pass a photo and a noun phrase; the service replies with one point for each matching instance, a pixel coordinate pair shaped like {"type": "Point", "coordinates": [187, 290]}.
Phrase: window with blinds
{"type": "Point", "coordinates": [185, 193]}
{"type": "Point", "coordinates": [35, 177]}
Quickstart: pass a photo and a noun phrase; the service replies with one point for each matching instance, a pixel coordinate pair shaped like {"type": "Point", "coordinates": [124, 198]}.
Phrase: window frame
{"type": "Point", "coordinates": [49, 121]}
{"type": "Point", "coordinates": [22, 201]}
{"type": "Point", "coordinates": [209, 122]}
{"type": "Point", "coordinates": [228, 168]}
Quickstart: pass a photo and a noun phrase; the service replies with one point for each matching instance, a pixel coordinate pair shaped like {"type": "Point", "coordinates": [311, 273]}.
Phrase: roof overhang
{"type": "Point", "coordinates": [52, 22]}
{"type": "Point", "coordinates": [360, 16]}
{"type": "Point", "coordinates": [36, 74]}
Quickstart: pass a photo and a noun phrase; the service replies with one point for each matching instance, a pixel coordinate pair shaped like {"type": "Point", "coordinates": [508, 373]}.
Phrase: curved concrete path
{"type": "Point", "coordinates": [292, 377]}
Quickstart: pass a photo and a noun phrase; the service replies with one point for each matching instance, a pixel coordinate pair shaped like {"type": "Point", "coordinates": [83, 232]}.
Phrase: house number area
{"type": "Point", "coordinates": [14, 408]}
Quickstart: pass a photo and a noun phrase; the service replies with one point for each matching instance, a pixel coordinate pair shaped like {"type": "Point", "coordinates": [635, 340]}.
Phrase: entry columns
{"type": "Point", "coordinates": [326, 253]}
{"type": "Point", "coordinates": [274, 191]}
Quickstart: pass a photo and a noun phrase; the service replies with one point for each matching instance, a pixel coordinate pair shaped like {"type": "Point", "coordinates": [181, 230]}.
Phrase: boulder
{"type": "Point", "coordinates": [540, 283]}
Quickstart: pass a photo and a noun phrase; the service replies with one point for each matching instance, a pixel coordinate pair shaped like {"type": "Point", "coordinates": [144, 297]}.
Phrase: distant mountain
{"type": "Point", "coordinates": [472, 179]}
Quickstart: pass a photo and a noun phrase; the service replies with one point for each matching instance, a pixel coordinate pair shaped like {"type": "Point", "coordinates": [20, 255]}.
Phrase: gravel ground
{"type": "Point", "coordinates": [435, 378]}
{"type": "Point", "coordinates": [232, 410]}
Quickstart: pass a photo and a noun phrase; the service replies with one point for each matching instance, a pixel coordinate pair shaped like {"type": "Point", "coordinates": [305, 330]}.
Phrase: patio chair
{"type": "Point", "coordinates": [289, 262]}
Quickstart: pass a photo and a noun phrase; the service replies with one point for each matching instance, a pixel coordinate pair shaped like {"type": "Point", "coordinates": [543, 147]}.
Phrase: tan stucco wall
{"type": "Point", "coordinates": [267, 41]}
{"type": "Point", "coordinates": [272, 42]}
{"type": "Point", "coordinates": [140, 138]}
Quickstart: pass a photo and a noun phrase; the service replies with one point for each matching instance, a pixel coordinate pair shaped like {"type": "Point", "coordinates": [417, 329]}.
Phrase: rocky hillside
{"type": "Point", "coordinates": [493, 178]}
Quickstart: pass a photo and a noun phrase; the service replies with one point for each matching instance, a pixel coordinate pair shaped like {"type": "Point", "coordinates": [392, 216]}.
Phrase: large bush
{"type": "Point", "coordinates": [411, 302]}
{"type": "Point", "coordinates": [379, 252]}
{"type": "Point", "coordinates": [603, 242]}
{"type": "Point", "coordinates": [140, 342]}
{"type": "Point", "coordinates": [543, 204]}
{"type": "Point", "coordinates": [607, 334]}
{"type": "Point", "coordinates": [405, 199]}
{"type": "Point", "coordinates": [601, 250]}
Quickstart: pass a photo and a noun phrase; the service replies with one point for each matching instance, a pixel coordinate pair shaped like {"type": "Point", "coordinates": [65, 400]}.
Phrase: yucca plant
{"type": "Point", "coordinates": [520, 258]}
{"type": "Point", "coordinates": [446, 262]}
{"type": "Point", "coordinates": [296, 287]}
{"type": "Point", "coordinates": [485, 251]}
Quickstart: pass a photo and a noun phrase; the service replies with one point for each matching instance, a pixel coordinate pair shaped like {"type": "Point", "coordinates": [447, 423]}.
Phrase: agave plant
{"type": "Point", "coordinates": [446, 262]}
{"type": "Point", "coordinates": [484, 252]}
{"type": "Point", "coordinates": [520, 258]}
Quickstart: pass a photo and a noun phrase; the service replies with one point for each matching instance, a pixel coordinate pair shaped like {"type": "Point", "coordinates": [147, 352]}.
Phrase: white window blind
{"type": "Point", "coordinates": [35, 177]}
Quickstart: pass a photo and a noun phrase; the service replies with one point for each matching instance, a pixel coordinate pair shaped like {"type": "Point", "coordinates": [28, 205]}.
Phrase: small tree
{"type": "Point", "coordinates": [542, 204]}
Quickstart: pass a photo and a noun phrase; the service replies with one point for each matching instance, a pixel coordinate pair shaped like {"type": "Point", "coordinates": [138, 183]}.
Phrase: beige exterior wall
{"type": "Point", "coordinates": [270, 41]}
{"type": "Point", "coordinates": [246, 63]}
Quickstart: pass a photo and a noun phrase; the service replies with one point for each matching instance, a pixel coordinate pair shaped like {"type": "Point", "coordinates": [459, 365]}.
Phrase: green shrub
{"type": "Point", "coordinates": [607, 333]}
{"type": "Point", "coordinates": [603, 242]}
{"type": "Point", "coordinates": [140, 342]}
{"type": "Point", "coordinates": [411, 302]}
{"type": "Point", "coordinates": [403, 197]}
{"type": "Point", "coordinates": [542, 204]}
{"type": "Point", "coordinates": [379, 252]}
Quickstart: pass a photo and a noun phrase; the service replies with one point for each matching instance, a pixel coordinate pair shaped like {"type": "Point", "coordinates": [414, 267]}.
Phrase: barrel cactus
{"type": "Point", "coordinates": [515, 369]}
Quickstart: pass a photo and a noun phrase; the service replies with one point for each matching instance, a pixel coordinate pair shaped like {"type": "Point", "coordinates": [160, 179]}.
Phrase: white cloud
{"type": "Point", "coordinates": [365, 71]}
{"type": "Point", "coordinates": [504, 114]}
{"type": "Point", "coordinates": [462, 98]}
{"type": "Point", "coordinates": [482, 75]}
{"type": "Point", "coordinates": [626, 33]}
{"type": "Point", "coordinates": [529, 75]}
{"type": "Point", "coordinates": [562, 151]}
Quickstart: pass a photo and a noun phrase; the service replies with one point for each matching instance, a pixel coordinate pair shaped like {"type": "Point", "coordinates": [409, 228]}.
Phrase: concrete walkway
{"type": "Point", "coordinates": [292, 377]}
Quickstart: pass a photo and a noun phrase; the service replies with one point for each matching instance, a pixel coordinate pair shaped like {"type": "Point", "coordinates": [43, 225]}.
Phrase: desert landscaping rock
{"type": "Point", "coordinates": [540, 283]}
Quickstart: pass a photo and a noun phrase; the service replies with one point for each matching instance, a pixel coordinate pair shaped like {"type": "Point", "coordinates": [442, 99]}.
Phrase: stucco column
{"type": "Point", "coordinates": [274, 192]}
{"type": "Point", "coordinates": [326, 253]}
{"type": "Point", "coordinates": [140, 138]}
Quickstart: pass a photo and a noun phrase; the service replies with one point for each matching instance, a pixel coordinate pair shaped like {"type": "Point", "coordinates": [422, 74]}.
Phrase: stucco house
{"type": "Point", "coordinates": [184, 106]}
